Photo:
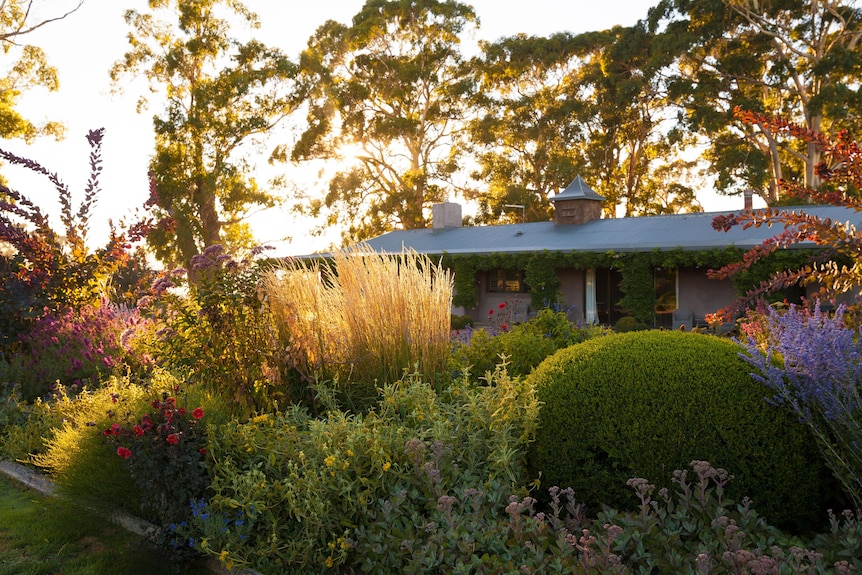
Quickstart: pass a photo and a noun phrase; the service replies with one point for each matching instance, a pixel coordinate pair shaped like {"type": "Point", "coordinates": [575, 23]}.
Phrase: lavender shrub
{"type": "Point", "coordinates": [813, 362]}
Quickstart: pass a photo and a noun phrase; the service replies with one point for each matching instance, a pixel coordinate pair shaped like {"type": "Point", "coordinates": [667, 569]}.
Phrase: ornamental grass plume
{"type": "Point", "coordinates": [363, 317]}
{"type": "Point", "coordinates": [813, 362]}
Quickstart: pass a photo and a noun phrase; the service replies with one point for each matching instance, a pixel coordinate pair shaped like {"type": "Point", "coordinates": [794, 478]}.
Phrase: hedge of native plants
{"type": "Point", "coordinates": [319, 419]}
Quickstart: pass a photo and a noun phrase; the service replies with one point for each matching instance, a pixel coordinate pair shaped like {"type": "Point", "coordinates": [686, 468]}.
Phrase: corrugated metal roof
{"type": "Point", "coordinates": [647, 233]}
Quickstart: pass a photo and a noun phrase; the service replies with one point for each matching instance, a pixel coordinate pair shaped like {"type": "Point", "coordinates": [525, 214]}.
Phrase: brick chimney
{"type": "Point", "coordinates": [577, 204]}
{"type": "Point", "coordinates": [445, 215]}
{"type": "Point", "coordinates": [748, 196]}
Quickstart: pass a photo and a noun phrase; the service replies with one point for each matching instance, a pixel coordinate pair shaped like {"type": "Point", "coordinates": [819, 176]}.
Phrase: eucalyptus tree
{"type": "Point", "coordinates": [527, 134]}
{"type": "Point", "coordinates": [634, 150]}
{"type": "Point", "coordinates": [222, 95]}
{"type": "Point", "coordinates": [592, 104]}
{"type": "Point", "coordinates": [798, 59]}
{"type": "Point", "coordinates": [392, 88]}
{"type": "Point", "coordinates": [27, 67]}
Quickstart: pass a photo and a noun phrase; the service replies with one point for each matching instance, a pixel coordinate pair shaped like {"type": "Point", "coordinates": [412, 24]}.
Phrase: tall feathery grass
{"type": "Point", "coordinates": [363, 317]}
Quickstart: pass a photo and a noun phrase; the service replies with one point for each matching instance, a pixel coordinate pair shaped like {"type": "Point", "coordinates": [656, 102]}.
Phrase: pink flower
{"type": "Point", "coordinates": [198, 413]}
{"type": "Point", "coordinates": [124, 452]}
{"type": "Point", "coordinates": [173, 439]}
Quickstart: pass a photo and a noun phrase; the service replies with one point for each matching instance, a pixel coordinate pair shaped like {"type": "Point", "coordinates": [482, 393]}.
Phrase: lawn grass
{"type": "Point", "coordinates": [43, 535]}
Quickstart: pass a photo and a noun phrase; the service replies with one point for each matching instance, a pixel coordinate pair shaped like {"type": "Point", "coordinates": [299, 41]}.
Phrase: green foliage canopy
{"type": "Point", "coordinates": [393, 84]}
{"type": "Point", "coordinates": [798, 60]}
{"type": "Point", "coordinates": [221, 94]}
{"type": "Point", "coordinates": [28, 69]}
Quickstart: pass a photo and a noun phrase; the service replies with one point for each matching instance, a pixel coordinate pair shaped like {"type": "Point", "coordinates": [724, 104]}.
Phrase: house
{"type": "Point", "coordinates": [652, 267]}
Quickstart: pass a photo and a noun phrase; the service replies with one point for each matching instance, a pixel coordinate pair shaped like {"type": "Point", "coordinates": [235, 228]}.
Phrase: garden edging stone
{"type": "Point", "coordinates": [38, 482]}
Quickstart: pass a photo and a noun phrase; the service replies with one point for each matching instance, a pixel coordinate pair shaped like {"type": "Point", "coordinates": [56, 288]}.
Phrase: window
{"type": "Point", "coordinates": [506, 280]}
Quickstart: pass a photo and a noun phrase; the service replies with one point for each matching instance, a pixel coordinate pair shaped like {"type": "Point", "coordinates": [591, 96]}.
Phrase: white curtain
{"type": "Point", "coordinates": [590, 313]}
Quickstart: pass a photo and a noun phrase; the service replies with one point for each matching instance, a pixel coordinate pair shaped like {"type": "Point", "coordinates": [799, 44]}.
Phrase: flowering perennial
{"type": "Point", "coordinates": [813, 362]}
{"type": "Point", "coordinates": [164, 451]}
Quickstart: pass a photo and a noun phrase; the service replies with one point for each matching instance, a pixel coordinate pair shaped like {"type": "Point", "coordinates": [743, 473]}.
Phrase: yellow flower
{"type": "Point", "coordinates": [223, 555]}
{"type": "Point", "coordinates": [345, 465]}
{"type": "Point", "coordinates": [329, 561]}
{"type": "Point", "coordinates": [387, 466]}
{"type": "Point", "coordinates": [349, 453]}
{"type": "Point", "coordinates": [329, 461]}
{"type": "Point", "coordinates": [260, 418]}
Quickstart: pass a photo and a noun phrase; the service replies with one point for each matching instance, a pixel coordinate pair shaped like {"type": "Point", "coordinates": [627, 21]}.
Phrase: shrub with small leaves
{"type": "Point", "coordinates": [24, 425]}
{"type": "Point", "coordinates": [75, 453]}
{"type": "Point", "coordinates": [305, 484]}
{"type": "Point", "coordinates": [524, 345]}
{"type": "Point", "coordinates": [640, 403]}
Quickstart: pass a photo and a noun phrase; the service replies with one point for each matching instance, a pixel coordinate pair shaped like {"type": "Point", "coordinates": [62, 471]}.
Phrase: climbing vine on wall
{"type": "Point", "coordinates": [540, 272]}
{"type": "Point", "coordinates": [638, 287]}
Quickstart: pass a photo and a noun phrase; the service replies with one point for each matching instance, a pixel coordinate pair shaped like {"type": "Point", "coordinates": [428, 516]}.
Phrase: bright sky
{"type": "Point", "coordinates": [85, 45]}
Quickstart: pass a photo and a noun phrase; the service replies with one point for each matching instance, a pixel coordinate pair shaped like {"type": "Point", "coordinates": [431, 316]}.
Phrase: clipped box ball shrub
{"type": "Point", "coordinates": [643, 404]}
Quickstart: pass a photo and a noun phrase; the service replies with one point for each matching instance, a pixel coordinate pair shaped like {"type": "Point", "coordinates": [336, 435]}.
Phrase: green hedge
{"type": "Point", "coordinates": [643, 404]}
{"type": "Point", "coordinates": [524, 345]}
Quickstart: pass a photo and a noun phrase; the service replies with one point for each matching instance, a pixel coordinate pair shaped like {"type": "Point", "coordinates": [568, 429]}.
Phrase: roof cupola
{"type": "Point", "coordinates": [577, 204]}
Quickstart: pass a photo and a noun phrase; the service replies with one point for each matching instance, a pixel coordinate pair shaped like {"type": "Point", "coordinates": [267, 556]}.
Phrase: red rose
{"type": "Point", "coordinates": [504, 327]}
{"type": "Point", "coordinates": [502, 305]}
{"type": "Point", "coordinates": [203, 451]}
{"type": "Point", "coordinates": [182, 411]}
{"type": "Point", "coordinates": [490, 312]}
{"type": "Point", "coordinates": [139, 431]}
{"type": "Point", "coordinates": [124, 452]}
{"type": "Point", "coordinates": [198, 412]}
{"type": "Point", "coordinates": [173, 439]}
